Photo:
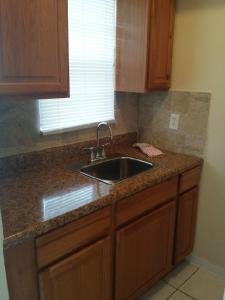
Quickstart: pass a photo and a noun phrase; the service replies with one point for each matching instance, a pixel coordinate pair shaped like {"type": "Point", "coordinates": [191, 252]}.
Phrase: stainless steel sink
{"type": "Point", "coordinates": [116, 169]}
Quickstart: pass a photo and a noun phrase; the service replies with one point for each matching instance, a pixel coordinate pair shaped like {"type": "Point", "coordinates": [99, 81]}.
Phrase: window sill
{"type": "Point", "coordinates": [75, 128]}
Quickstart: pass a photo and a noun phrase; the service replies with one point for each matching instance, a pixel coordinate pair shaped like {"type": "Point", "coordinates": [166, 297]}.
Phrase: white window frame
{"type": "Point", "coordinates": [61, 129]}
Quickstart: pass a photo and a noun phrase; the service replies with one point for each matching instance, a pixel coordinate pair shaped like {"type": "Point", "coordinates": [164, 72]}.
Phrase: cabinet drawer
{"type": "Point", "coordinates": [73, 236]}
{"type": "Point", "coordinates": [190, 179]}
{"type": "Point", "coordinates": [141, 202]}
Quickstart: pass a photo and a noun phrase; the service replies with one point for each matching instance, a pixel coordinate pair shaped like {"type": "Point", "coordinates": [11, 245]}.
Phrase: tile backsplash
{"type": "Point", "coordinates": [148, 114]}
{"type": "Point", "coordinates": [154, 117]}
{"type": "Point", "coordinates": [19, 123]}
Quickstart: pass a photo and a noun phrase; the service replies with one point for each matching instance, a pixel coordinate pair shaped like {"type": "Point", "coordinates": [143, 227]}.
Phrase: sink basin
{"type": "Point", "coordinates": [116, 169]}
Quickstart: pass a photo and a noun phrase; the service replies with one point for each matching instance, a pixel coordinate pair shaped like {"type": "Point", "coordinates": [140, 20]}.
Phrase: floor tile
{"type": "Point", "coordinates": [179, 275]}
{"type": "Point", "coordinates": [204, 285]}
{"type": "Point", "coordinates": [179, 296]}
{"type": "Point", "coordinates": [161, 291]}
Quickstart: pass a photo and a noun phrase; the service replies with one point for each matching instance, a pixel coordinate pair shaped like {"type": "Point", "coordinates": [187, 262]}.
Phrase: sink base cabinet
{"type": "Point", "coordinates": [144, 252]}
{"type": "Point", "coordinates": [117, 252]}
{"type": "Point", "coordinates": [84, 275]}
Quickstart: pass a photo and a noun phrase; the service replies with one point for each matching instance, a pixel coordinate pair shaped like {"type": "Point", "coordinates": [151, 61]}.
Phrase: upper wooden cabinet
{"type": "Point", "coordinates": [144, 44]}
{"type": "Point", "coordinates": [34, 48]}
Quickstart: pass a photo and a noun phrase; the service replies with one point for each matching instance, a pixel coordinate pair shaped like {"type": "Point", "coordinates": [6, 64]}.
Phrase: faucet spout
{"type": "Point", "coordinates": [100, 125]}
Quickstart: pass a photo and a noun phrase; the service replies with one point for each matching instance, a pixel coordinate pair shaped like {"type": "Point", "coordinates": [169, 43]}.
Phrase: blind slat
{"type": "Point", "coordinates": [92, 69]}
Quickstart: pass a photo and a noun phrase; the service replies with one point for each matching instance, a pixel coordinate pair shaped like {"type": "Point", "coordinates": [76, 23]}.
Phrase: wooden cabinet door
{"type": "Point", "coordinates": [144, 44]}
{"type": "Point", "coordinates": [132, 45]}
{"type": "Point", "coordinates": [82, 276]}
{"type": "Point", "coordinates": [187, 209]}
{"type": "Point", "coordinates": [160, 44]}
{"type": "Point", "coordinates": [144, 252]}
{"type": "Point", "coordinates": [34, 48]}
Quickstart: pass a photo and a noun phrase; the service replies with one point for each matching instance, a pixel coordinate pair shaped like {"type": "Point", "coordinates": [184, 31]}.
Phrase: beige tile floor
{"type": "Point", "coordinates": [188, 282]}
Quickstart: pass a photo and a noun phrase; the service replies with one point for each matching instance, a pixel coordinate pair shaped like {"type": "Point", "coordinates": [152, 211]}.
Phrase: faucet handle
{"type": "Point", "coordinates": [103, 149]}
{"type": "Point", "coordinates": [105, 145]}
{"type": "Point", "coordinates": [91, 150]}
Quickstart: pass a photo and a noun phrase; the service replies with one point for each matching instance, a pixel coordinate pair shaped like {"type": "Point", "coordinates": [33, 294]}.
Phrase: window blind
{"type": "Point", "coordinates": [92, 69]}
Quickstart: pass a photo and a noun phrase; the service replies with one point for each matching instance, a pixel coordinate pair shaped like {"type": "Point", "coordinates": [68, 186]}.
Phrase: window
{"type": "Point", "coordinates": [92, 69]}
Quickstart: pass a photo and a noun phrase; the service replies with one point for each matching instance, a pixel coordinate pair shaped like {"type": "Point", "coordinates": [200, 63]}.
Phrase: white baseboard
{"type": "Point", "coordinates": [220, 271]}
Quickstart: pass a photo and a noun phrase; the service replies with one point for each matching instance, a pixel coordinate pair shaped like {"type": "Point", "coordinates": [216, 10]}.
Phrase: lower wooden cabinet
{"type": "Point", "coordinates": [86, 275]}
{"type": "Point", "coordinates": [186, 220]}
{"type": "Point", "coordinates": [144, 251]}
{"type": "Point", "coordinates": [115, 253]}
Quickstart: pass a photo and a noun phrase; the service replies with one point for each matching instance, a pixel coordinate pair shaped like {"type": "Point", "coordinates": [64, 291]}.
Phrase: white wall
{"type": "Point", "coordinates": [3, 284]}
{"type": "Point", "coordinates": [199, 65]}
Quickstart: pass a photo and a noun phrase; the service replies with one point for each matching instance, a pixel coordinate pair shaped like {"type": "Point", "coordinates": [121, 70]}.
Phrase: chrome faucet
{"type": "Point", "coordinates": [102, 154]}
{"type": "Point", "coordinates": [98, 152]}
{"type": "Point", "coordinates": [103, 124]}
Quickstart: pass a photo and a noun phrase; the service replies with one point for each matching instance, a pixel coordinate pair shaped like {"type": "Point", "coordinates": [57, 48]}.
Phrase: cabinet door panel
{"type": "Point", "coordinates": [132, 28]}
{"type": "Point", "coordinates": [187, 209]}
{"type": "Point", "coordinates": [160, 44]}
{"type": "Point", "coordinates": [84, 275]}
{"type": "Point", "coordinates": [144, 251]}
{"type": "Point", "coordinates": [34, 47]}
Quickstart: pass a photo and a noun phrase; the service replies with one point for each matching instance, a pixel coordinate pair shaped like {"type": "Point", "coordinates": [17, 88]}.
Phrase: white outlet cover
{"type": "Point", "coordinates": [174, 121]}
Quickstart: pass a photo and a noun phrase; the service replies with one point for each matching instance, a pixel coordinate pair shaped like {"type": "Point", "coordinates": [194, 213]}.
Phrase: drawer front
{"type": "Point", "coordinates": [69, 238]}
{"type": "Point", "coordinates": [137, 204]}
{"type": "Point", "coordinates": [190, 179]}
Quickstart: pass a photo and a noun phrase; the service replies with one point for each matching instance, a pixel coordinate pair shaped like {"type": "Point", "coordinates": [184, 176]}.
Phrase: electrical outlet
{"type": "Point", "coordinates": [174, 121]}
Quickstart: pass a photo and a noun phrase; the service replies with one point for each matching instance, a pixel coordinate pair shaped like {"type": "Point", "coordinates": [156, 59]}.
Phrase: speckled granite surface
{"type": "Point", "coordinates": [43, 197]}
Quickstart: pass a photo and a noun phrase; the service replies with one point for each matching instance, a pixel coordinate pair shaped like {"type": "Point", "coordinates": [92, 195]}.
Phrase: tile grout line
{"type": "Point", "coordinates": [178, 288]}
{"type": "Point", "coordinates": [171, 294]}
{"type": "Point", "coordinates": [198, 268]}
{"type": "Point", "coordinates": [189, 296]}
{"type": "Point", "coordinates": [170, 284]}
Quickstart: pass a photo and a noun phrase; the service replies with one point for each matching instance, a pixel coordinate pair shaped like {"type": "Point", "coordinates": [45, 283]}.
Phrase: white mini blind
{"type": "Point", "coordinates": [92, 40]}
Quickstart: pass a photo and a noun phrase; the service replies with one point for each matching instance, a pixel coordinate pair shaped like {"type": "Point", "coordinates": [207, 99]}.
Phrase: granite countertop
{"type": "Point", "coordinates": [42, 198]}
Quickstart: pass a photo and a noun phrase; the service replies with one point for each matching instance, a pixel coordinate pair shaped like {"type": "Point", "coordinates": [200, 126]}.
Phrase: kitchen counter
{"type": "Point", "coordinates": [43, 197]}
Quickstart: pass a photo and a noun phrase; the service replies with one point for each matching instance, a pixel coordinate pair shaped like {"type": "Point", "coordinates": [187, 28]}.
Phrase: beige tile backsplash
{"type": "Point", "coordinates": [19, 123]}
{"type": "Point", "coordinates": [147, 113]}
{"type": "Point", "coordinates": [154, 117]}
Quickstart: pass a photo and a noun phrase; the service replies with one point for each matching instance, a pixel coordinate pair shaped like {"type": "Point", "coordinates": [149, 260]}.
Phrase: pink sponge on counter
{"type": "Point", "coordinates": [148, 149]}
